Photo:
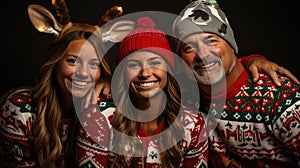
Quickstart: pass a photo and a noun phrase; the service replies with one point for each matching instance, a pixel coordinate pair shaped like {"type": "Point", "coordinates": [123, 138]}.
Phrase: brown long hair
{"type": "Point", "coordinates": [169, 158]}
{"type": "Point", "coordinates": [47, 130]}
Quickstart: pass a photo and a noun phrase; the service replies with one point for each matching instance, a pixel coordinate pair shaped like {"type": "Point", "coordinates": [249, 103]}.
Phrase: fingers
{"type": "Point", "coordinates": [285, 72]}
{"type": "Point", "coordinates": [275, 70]}
{"type": "Point", "coordinates": [266, 67]}
{"type": "Point", "coordinates": [278, 68]}
{"type": "Point", "coordinates": [103, 88]}
{"type": "Point", "coordinates": [258, 65]}
{"type": "Point", "coordinates": [273, 74]}
{"type": "Point", "coordinates": [98, 89]}
{"type": "Point", "coordinates": [254, 72]}
{"type": "Point", "coordinates": [106, 90]}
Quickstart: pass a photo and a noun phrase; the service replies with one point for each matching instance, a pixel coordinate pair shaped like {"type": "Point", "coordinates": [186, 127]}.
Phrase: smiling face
{"type": "Point", "coordinates": [146, 73]}
{"type": "Point", "coordinates": [209, 56]}
{"type": "Point", "coordinates": [79, 68]}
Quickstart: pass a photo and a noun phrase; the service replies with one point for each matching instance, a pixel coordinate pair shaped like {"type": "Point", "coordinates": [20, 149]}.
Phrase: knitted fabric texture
{"type": "Point", "coordinates": [203, 16]}
{"type": "Point", "coordinates": [145, 37]}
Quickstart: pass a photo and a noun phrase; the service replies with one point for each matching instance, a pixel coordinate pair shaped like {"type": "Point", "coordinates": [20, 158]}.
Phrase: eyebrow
{"type": "Point", "coordinates": [154, 58]}
{"type": "Point", "coordinates": [210, 36]}
{"type": "Point", "coordinates": [205, 37]}
{"type": "Point", "coordinates": [79, 57]}
{"type": "Point", "coordinates": [73, 55]}
{"type": "Point", "coordinates": [150, 59]}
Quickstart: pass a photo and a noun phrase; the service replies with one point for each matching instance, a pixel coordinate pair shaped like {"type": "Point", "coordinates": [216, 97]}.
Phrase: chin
{"type": "Point", "coordinates": [79, 94]}
{"type": "Point", "coordinates": [208, 80]}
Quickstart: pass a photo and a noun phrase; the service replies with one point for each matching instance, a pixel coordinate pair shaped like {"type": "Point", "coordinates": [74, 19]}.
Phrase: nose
{"type": "Point", "coordinates": [145, 72]}
{"type": "Point", "coordinates": [81, 71]}
{"type": "Point", "coordinates": [202, 50]}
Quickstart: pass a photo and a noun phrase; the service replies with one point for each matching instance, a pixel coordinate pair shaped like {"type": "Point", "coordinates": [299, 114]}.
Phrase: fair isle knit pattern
{"type": "Point", "coordinates": [93, 152]}
{"type": "Point", "coordinates": [259, 123]}
{"type": "Point", "coordinates": [16, 120]}
{"type": "Point", "coordinates": [93, 135]}
{"type": "Point", "coordinates": [17, 117]}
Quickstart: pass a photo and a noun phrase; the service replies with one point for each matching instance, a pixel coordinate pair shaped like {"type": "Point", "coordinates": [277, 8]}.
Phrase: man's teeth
{"type": "Point", "coordinates": [80, 83]}
{"type": "Point", "coordinates": [146, 84]}
{"type": "Point", "coordinates": [207, 65]}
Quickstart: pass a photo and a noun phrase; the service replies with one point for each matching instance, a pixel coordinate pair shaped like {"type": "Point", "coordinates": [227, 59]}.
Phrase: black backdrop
{"type": "Point", "coordinates": [265, 27]}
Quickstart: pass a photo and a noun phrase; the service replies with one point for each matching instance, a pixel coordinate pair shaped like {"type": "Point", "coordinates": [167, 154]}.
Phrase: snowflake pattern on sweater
{"type": "Point", "coordinates": [93, 135]}
{"type": "Point", "coordinates": [94, 153]}
{"type": "Point", "coordinates": [259, 123]}
{"type": "Point", "coordinates": [17, 117]}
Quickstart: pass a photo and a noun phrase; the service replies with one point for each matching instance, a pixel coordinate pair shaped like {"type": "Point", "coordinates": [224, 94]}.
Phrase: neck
{"type": "Point", "coordinates": [149, 109]}
{"type": "Point", "coordinates": [150, 127]}
{"type": "Point", "coordinates": [152, 104]}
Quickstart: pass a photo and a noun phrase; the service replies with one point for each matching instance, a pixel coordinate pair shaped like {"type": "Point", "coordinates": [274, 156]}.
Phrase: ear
{"type": "Point", "coordinates": [116, 32]}
{"type": "Point", "coordinates": [43, 20]}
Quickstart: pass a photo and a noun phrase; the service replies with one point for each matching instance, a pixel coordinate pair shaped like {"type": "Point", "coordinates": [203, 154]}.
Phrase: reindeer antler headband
{"type": "Point", "coordinates": [45, 22]}
{"type": "Point", "coordinates": [62, 11]}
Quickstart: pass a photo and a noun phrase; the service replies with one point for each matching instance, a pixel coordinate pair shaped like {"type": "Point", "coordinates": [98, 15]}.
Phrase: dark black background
{"type": "Point", "coordinates": [265, 27]}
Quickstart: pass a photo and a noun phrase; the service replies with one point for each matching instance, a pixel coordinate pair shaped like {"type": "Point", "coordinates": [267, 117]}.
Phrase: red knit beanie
{"type": "Point", "coordinates": [145, 37]}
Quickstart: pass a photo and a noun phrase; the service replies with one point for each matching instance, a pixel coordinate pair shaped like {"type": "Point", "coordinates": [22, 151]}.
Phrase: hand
{"type": "Point", "coordinates": [258, 65]}
{"type": "Point", "coordinates": [102, 88]}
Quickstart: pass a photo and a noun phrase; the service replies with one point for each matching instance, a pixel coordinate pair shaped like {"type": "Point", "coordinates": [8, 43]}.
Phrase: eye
{"type": "Point", "coordinates": [133, 65]}
{"type": "Point", "coordinates": [155, 63]}
{"type": "Point", "coordinates": [94, 64]}
{"type": "Point", "coordinates": [211, 41]}
{"type": "Point", "coordinates": [188, 48]}
{"type": "Point", "coordinates": [72, 60]}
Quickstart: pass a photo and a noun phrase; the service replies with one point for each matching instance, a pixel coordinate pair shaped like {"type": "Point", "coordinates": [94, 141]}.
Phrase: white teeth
{"type": "Point", "coordinates": [208, 65]}
{"type": "Point", "coordinates": [146, 84]}
{"type": "Point", "coordinates": [80, 83]}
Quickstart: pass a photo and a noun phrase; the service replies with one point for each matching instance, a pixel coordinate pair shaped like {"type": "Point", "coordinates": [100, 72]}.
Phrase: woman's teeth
{"type": "Point", "coordinates": [146, 84]}
{"type": "Point", "coordinates": [80, 83]}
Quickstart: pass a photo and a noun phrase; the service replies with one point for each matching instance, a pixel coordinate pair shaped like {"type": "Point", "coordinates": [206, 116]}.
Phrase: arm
{"type": "Point", "coordinates": [102, 89]}
{"type": "Point", "coordinates": [256, 64]}
{"type": "Point", "coordinates": [16, 118]}
{"type": "Point", "coordinates": [94, 133]}
{"type": "Point", "coordinates": [289, 123]}
{"type": "Point", "coordinates": [196, 153]}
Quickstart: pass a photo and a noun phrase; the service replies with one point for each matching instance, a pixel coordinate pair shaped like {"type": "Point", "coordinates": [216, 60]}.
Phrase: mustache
{"type": "Point", "coordinates": [198, 63]}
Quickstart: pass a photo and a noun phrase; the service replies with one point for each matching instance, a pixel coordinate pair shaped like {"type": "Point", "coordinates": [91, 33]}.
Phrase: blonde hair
{"type": "Point", "coordinates": [47, 128]}
{"type": "Point", "coordinates": [169, 158]}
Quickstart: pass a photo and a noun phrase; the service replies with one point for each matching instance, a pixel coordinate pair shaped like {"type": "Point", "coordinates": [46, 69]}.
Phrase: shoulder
{"type": "Point", "coordinates": [266, 80]}
{"type": "Point", "coordinates": [99, 112]}
{"type": "Point", "coordinates": [266, 84]}
{"type": "Point", "coordinates": [106, 106]}
{"type": "Point", "coordinates": [191, 117]}
{"type": "Point", "coordinates": [94, 128]}
{"type": "Point", "coordinates": [21, 101]}
{"type": "Point", "coordinates": [20, 95]}
{"type": "Point", "coordinates": [195, 139]}
{"type": "Point", "coordinates": [18, 110]}
{"type": "Point", "coordinates": [189, 111]}
{"type": "Point", "coordinates": [288, 88]}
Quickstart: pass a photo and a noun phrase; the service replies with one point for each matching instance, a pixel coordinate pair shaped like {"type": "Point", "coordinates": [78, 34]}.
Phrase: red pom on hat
{"type": "Point", "coordinates": [145, 22]}
{"type": "Point", "coordinates": [146, 37]}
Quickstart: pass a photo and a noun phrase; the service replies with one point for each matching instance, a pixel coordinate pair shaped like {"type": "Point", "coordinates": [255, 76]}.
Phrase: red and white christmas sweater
{"type": "Point", "coordinates": [17, 117]}
{"type": "Point", "coordinates": [257, 123]}
{"type": "Point", "coordinates": [95, 134]}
